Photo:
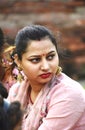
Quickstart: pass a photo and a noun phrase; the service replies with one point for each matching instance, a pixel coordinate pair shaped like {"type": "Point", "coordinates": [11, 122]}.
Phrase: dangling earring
{"type": "Point", "coordinates": [59, 69]}
{"type": "Point", "coordinates": [20, 76]}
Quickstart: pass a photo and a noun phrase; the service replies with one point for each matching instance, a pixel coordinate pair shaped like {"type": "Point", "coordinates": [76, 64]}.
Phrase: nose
{"type": "Point", "coordinates": [44, 65]}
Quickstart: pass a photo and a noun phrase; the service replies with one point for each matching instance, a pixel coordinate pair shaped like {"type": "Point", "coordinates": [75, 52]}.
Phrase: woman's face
{"type": "Point", "coordinates": [40, 61]}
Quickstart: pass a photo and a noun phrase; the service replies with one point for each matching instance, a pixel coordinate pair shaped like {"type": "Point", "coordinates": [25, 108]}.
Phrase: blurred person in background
{"type": "Point", "coordinates": [8, 72]}
{"type": "Point", "coordinates": [10, 113]}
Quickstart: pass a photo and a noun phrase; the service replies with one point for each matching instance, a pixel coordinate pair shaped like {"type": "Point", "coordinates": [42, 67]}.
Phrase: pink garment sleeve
{"type": "Point", "coordinates": [13, 92]}
{"type": "Point", "coordinates": [65, 109]}
{"type": "Point", "coordinates": [18, 92]}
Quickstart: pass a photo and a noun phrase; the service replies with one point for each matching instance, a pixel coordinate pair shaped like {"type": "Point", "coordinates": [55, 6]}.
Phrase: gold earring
{"type": "Point", "coordinates": [19, 68]}
{"type": "Point", "coordinates": [20, 76]}
{"type": "Point", "coordinates": [59, 70]}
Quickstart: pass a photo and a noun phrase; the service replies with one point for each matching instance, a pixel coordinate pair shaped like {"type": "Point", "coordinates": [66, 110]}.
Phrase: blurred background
{"type": "Point", "coordinates": [66, 16]}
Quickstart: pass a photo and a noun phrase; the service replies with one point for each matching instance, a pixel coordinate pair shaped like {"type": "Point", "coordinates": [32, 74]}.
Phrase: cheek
{"type": "Point", "coordinates": [29, 71]}
{"type": "Point", "coordinates": [56, 61]}
{"type": "Point", "coordinates": [55, 64]}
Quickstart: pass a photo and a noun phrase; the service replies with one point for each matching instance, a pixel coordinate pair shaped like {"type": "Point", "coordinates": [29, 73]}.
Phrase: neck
{"type": "Point", "coordinates": [35, 91]}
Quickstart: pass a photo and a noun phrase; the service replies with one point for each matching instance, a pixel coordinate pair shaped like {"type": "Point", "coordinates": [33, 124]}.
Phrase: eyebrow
{"type": "Point", "coordinates": [40, 55]}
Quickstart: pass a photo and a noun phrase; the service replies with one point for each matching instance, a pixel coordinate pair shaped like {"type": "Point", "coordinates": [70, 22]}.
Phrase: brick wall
{"type": "Point", "coordinates": [68, 16]}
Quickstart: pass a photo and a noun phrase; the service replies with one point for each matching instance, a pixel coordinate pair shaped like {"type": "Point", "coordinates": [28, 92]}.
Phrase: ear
{"type": "Point", "coordinates": [16, 60]}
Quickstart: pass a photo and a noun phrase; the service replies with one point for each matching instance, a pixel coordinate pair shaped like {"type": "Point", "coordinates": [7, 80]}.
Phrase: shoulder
{"type": "Point", "coordinates": [13, 91]}
{"type": "Point", "coordinates": [66, 89]}
{"type": "Point", "coordinates": [64, 82]}
{"type": "Point", "coordinates": [14, 87]}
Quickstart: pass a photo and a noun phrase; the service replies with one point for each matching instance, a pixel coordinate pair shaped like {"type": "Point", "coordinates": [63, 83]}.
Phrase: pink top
{"type": "Point", "coordinates": [59, 106]}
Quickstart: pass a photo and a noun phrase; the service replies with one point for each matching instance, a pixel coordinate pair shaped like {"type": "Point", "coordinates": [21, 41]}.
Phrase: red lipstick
{"type": "Point", "coordinates": [44, 76]}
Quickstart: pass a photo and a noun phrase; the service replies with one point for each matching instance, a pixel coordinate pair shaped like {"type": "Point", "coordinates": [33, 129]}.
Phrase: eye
{"type": "Point", "coordinates": [50, 57]}
{"type": "Point", "coordinates": [35, 60]}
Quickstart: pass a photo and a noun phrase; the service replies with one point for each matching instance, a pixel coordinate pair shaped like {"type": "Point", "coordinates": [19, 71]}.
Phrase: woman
{"type": "Point", "coordinates": [11, 72]}
{"type": "Point", "coordinates": [7, 69]}
{"type": "Point", "coordinates": [10, 114]}
{"type": "Point", "coordinates": [51, 100]}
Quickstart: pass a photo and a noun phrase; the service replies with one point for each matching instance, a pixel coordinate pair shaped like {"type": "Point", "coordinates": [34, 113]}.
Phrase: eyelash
{"type": "Point", "coordinates": [36, 60]}
{"type": "Point", "coordinates": [50, 57]}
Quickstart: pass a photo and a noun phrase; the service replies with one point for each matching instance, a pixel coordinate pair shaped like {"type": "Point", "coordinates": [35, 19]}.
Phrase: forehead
{"type": "Point", "coordinates": [39, 47]}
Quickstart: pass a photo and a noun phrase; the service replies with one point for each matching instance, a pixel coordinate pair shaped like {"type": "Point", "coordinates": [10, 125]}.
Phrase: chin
{"type": "Point", "coordinates": [44, 81]}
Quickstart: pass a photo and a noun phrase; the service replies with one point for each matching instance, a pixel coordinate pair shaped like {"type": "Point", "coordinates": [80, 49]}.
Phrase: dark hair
{"type": "Point", "coordinates": [10, 114]}
{"type": "Point", "coordinates": [32, 32]}
{"type": "Point", "coordinates": [3, 90]}
{"type": "Point", "coordinates": [1, 39]}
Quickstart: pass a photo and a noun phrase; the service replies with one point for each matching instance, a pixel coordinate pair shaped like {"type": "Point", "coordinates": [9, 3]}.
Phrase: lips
{"type": "Point", "coordinates": [46, 75]}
